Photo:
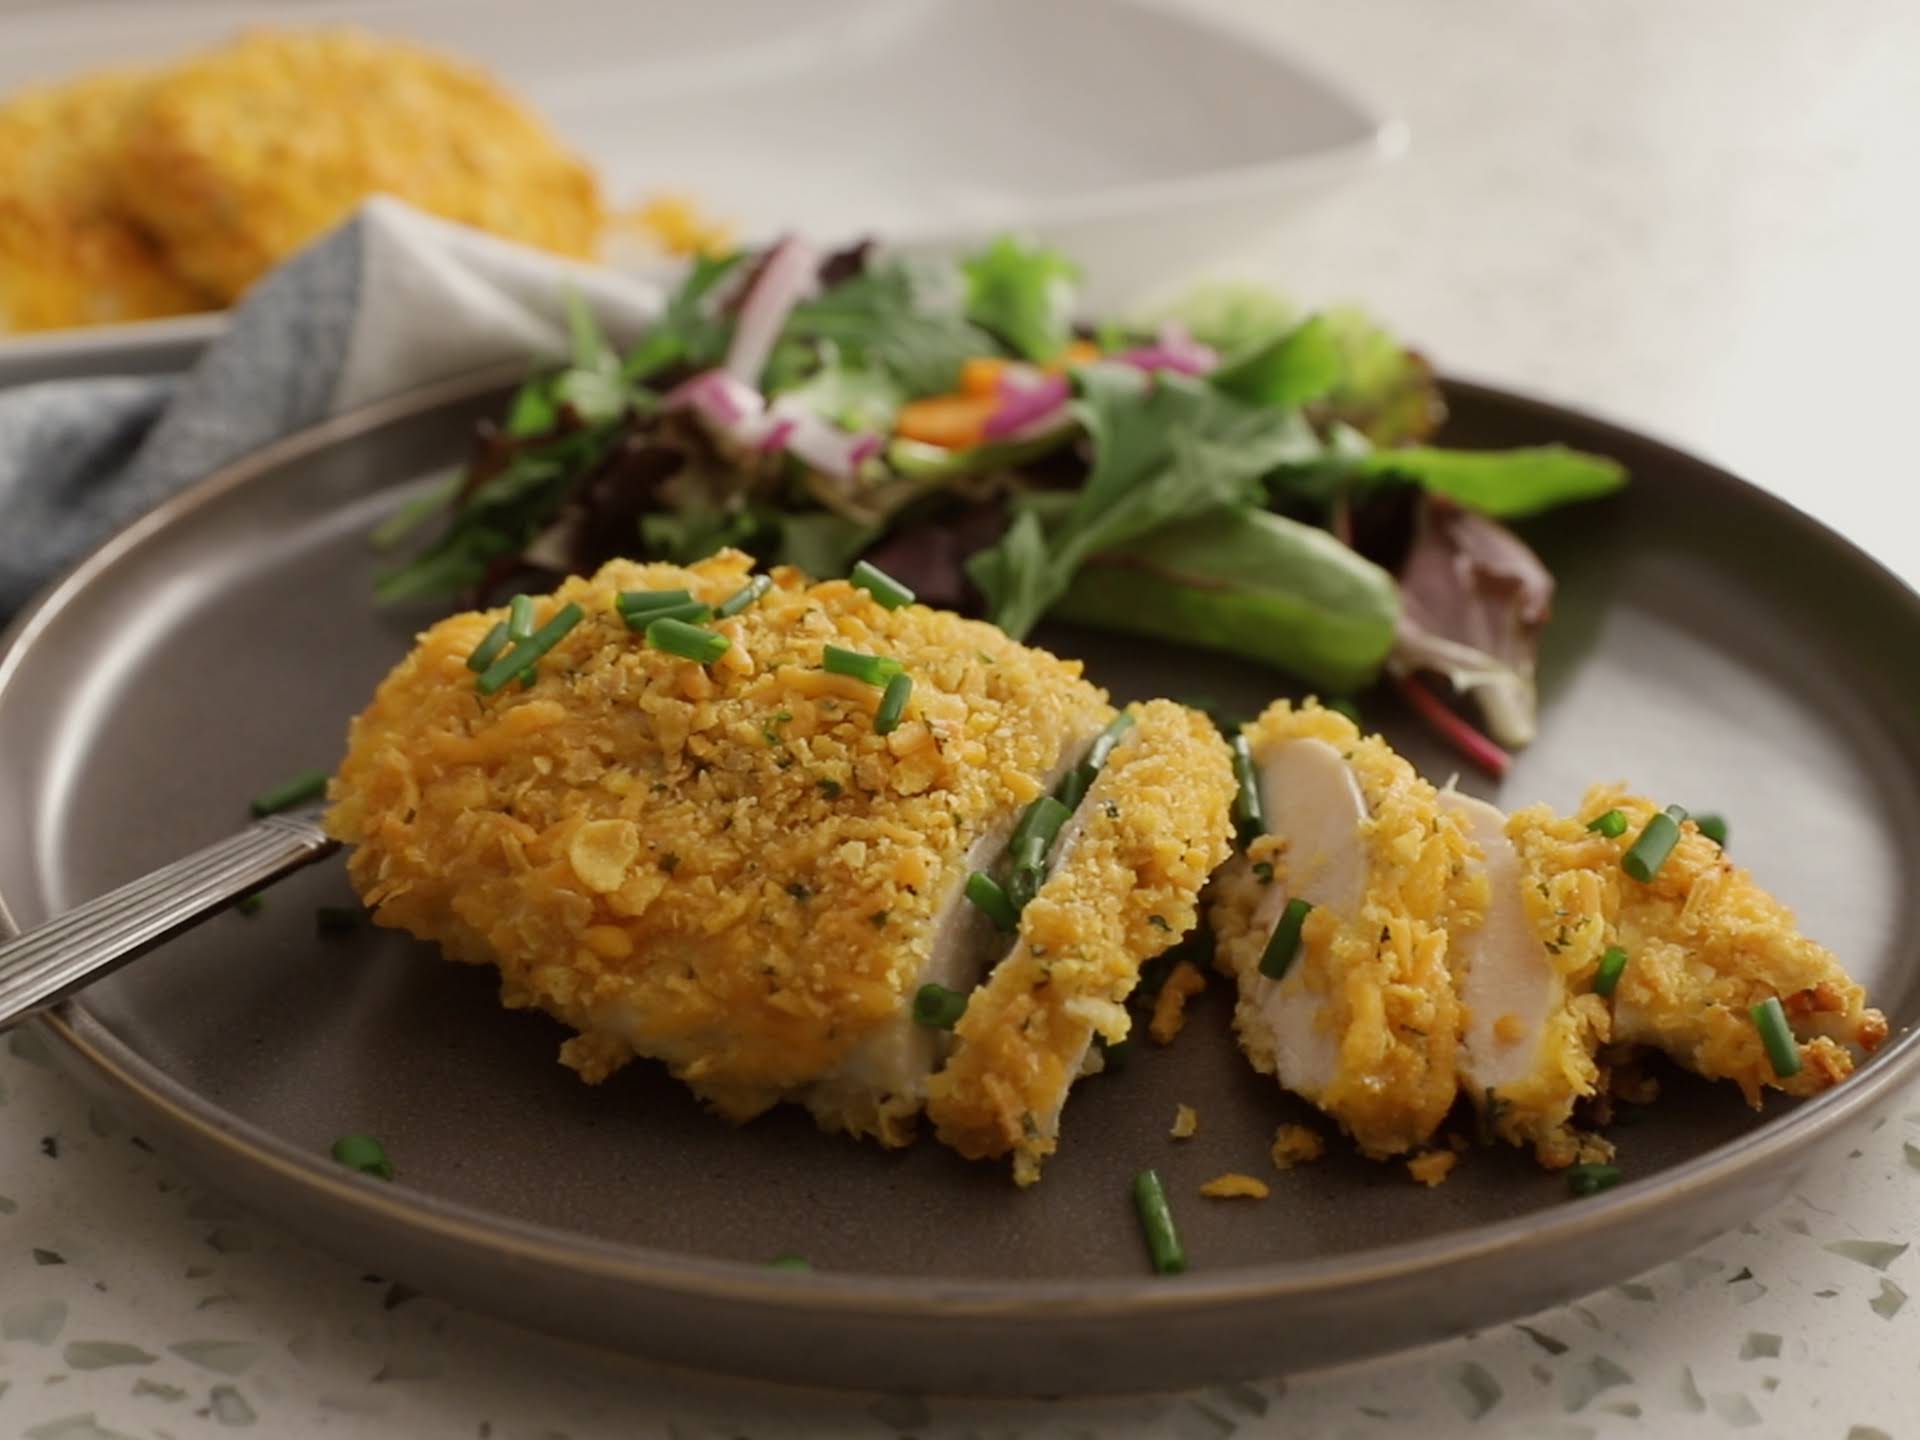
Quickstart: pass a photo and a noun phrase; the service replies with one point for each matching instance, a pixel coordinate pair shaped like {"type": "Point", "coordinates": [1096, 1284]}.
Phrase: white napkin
{"type": "Point", "coordinates": [391, 300]}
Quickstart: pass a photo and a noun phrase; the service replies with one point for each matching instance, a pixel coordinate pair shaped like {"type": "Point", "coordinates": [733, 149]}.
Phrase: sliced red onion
{"type": "Point", "coordinates": [724, 403]}
{"type": "Point", "coordinates": [1025, 403]}
{"type": "Point", "coordinates": [823, 445]}
{"type": "Point", "coordinates": [1173, 349]}
{"type": "Point", "coordinates": [788, 277]}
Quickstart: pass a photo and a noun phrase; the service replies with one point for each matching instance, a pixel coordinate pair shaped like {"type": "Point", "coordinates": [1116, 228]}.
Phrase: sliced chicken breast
{"type": "Point", "coordinates": [1364, 1022]}
{"type": "Point", "coordinates": [1123, 885]}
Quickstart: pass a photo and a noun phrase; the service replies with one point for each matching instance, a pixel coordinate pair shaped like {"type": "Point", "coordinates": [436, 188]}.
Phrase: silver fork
{"type": "Point", "coordinates": [50, 962]}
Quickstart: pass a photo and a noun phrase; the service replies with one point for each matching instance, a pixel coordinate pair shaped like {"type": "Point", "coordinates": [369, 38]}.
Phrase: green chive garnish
{"type": "Point", "coordinates": [336, 919]}
{"type": "Point", "coordinates": [882, 586]}
{"type": "Point", "coordinates": [1613, 824]}
{"type": "Point", "coordinates": [365, 1154]}
{"type": "Point", "coordinates": [692, 612]}
{"type": "Point", "coordinates": [488, 650]}
{"type": "Point", "coordinates": [745, 596]}
{"type": "Point", "coordinates": [985, 892]}
{"type": "Point", "coordinates": [1608, 975]}
{"type": "Point", "coordinates": [893, 705]}
{"type": "Point", "coordinates": [297, 791]}
{"type": "Point", "coordinates": [1770, 1019]}
{"type": "Point", "coordinates": [871, 669]}
{"type": "Point", "coordinates": [250, 905]}
{"type": "Point", "coordinates": [1072, 788]}
{"type": "Point", "coordinates": [523, 657]}
{"type": "Point", "coordinates": [1156, 1220]}
{"type": "Point", "coordinates": [1648, 853]}
{"type": "Point", "coordinates": [1284, 943]}
{"type": "Point", "coordinates": [790, 1262]}
{"type": "Point", "coordinates": [635, 602]}
{"type": "Point", "coordinates": [1104, 742]}
{"type": "Point", "coordinates": [1592, 1179]}
{"type": "Point", "coordinates": [1032, 839]}
{"type": "Point", "coordinates": [690, 642]}
{"type": "Point", "coordinates": [1249, 816]}
{"type": "Point", "coordinates": [937, 1007]}
{"type": "Point", "coordinates": [1714, 827]}
{"type": "Point", "coordinates": [520, 617]}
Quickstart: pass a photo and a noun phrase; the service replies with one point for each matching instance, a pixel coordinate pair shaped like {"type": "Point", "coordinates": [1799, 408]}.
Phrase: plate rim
{"type": "Point", "coordinates": [87, 1040]}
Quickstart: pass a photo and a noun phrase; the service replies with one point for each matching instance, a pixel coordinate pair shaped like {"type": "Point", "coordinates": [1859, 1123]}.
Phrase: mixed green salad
{"type": "Point", "coordinates": [1230, 474]}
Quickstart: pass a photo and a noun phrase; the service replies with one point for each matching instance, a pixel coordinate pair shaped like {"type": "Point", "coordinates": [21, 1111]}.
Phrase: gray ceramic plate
{"type": "Point", "coordinates": [1712, 645]}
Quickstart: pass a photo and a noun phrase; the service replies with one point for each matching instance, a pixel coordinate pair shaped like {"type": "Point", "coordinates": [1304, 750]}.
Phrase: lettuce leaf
{"type": "Point", "coordinates": [1507, 484]}
{"type": "Point", "coordinates": [1024, 295]}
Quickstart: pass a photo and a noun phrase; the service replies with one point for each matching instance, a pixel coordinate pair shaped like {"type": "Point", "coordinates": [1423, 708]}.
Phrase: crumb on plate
{"type": "Point", "coordinates": [1296, 1145]}
{"type": "Point", "coordinates": [1234, 1186]}
{"type": "Point", "coordinates": [1186, 1120]}
{"type": "Point", "coordinates": [1170, 1007]}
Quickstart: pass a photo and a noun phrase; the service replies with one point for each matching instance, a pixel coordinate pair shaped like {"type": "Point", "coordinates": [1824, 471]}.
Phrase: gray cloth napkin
{"type": "Point", "coordinates": [392, 300]}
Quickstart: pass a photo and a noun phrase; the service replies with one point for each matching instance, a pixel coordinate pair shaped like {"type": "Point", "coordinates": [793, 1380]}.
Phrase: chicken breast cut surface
{"type": "Point", "coordinates": [1704, 944]}
{"type": "Point", "coordinates": [1365, 1022]}
{"type": "Point", "coordinates": [1527, 1040]}
{"type": "Point", "coordinates": [1124, 884]}
{"type": "Point", "coordinates": [720, 867]}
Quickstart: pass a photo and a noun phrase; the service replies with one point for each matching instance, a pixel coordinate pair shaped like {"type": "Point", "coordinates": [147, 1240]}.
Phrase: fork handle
{"type": "Point", "coordinates": [51, 962]}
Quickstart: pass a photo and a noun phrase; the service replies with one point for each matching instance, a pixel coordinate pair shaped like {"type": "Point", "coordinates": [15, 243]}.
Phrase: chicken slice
{"type": "Point", "coordinates": [1365, 1023]}
{"type": "Point", "coordinates": [1124, 884]}
{"type": "Point", "coordinates": [1704, 945]}
{"type": "Point", "coordinates": [1527, 1040]}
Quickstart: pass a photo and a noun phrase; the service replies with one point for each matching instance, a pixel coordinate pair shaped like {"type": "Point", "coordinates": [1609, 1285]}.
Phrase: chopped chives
{"type": "Point", "coordinates": [882, 586]}
{"type": "Point", "coordinates": [893, 705]}
{"type": "Point", "coordinates": [250, 905]}
{"type": "Point", "coordinates": [520, 617]}
{"type": "Point", "coordinates": [634, 602]}
{"type": "Point", "coordinates": [1072, 788]}
{"type": "Point", "coordinates": [1104, 742]}
{"type": "Point", "coordinates": [872, 669]}
{"type": "Point", "coordinates": [1592, 1179]}
{"type": "Point", "coordinates": [289, 793]}
{"type": "Point", "coordinates": [1156, 1221]}
{"type": "Point", "coordinates": [1770, 1019]}
{"type": "Point", "coordinates": [746, 595]}
{"type": "Point", "coordinates": [523, 657]}
{"type": "Point", "coordinates": [1607, 977]}
{"type": "Point", "coordinates": [1032, 839]}
{"type": "Point", "coordinates": [1284, 944]}
{"type": "Point", "coordinates": [690, 642]}
{"type": "Point", "coordinates": [1714, 827]}
{"type": "Point", "coordinates": [1649, 852]}
{"type": "Point", "coordinates": [488, 650]}
{"type": "Point", "coordinates": [1249, 816]}
{"type": "Point", "coordinates": [365, 1154]}
{"type": "Point", "coordinates": [1613, 824]}
{"type": "Point", "coordinates": [985, 893]}
{"type": "Point", "coordinates": [692, 612]}
{"type": "Point", "coordinates": [790, 1262]}
{"type": "Point", "coordinates": [937, 1007]}
{"type": "Point", "coordinates": [336, 919]}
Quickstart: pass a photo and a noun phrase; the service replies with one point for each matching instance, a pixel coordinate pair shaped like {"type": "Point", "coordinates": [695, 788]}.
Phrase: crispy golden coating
{"type": "Point", "coordinates": [68, 255]}
{"type": "Point", "coordinates": [724, 868]}
{"type": "Point", "coordinates": [238, 157]}
{"type": "Point", "coordinates": [1704, 945]}
{"type": "Point", "coordinates": [1125, 885]}
{"type": "Point", "coordinates": [1386, 998]}
{"type": "Point", "coordinates": [1295, 1145]}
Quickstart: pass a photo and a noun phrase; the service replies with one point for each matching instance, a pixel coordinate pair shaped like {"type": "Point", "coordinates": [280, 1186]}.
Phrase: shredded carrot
{"type": "Point", "coordinates": [981, 375]}
{"type": "Point", "coordinates": [953, 422]}
{"type": "Point", "coordinates": [1080, 352]}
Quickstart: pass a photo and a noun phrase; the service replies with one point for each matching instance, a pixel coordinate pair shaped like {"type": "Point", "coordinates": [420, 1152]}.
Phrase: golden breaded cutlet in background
{"type": "Point", "coordinates": [237, 157]}
{"type": "Point", "coordinates": [68, 255]}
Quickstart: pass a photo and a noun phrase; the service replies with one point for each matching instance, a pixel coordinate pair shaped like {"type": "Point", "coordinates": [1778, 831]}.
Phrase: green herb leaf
{"type": "Point", "coordinates": [1506, 484]}
{"type": "Point", "coordinates": [887, 320]}
{"type": "Point", "coordinates": [1234, 317]}
{"type": "Point", "coordinates": [1024, 295]}
{"type": "Point", "coordinates": [1296, 368]}
{"type": "Point", "coordinates": [853, 397]}
{"type": "Point", "coordinates": [689, 331]}
{"type": "Point", "coordinates": [822, 543]}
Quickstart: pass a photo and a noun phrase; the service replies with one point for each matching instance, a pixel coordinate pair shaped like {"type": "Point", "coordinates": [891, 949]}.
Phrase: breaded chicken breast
{"type": "Point", "coordinates": [68, 254]}
{"type": "Point", "coordinates": [1125, 884]}
{"type": "Point", "coordinates": [726, 867]}
{"type": "Point", "coordinates": [1363, 1019]}
{"type": "Point", "coordinates": [1451, 946]}
{"type": "Point", "coordinates": [237, 157]}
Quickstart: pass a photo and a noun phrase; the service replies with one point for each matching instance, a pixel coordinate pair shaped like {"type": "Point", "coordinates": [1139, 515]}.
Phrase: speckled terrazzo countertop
{"type": "Point", "coordinates": [1689, 217]}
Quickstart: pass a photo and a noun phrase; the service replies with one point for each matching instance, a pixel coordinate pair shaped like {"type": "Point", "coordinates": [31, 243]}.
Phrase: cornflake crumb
{"type": "Point", "coordinates": [1170, 1007]}
{"type": "Point", "coordinates": [1234, 1186]}
{"type": "Point", "coordinates": [1296, 1145]}
{"type": "Point", "coordinates": [1433, 1167]}
{"type": "Point", "coordinates": [1186, 1120]}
